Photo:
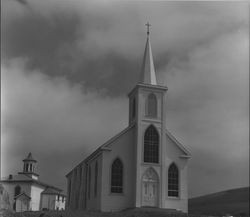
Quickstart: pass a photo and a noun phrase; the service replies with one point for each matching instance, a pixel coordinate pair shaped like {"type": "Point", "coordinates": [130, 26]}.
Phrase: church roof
{"type": "Point", "coordinates": [148, 70]}
{"type": "Point", "coordinates": [25, 178]}
{"type": "Point", "coordinates": [50, 190]}
{"type": "Point", "coordinates": [29, 158]}
{"type": "Point", "coordinates": [104, 147]}
{"type": "Point", "coordinates": [179, 145]}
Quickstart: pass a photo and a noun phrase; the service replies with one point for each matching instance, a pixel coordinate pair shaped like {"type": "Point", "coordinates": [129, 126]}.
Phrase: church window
{"type": "Point", "coordinates": [80, 173]}
{"type": "Point", "coordinates": [89, 186]}
{"type": "Point", "coordinates": [27, 167]}
{"type": "Point", "coordinates": [69, 189]}
{"type": "Point", "coordinates": [173, 181]}
{"type": "Point", "coordinates": [96, 175]}
{"type": "Point", "coordinates": [133, 108]}
{"type": "Point", "coordinates": [117, 176]}
{"type": "Point", "coordinates": [152, 105]}
{"type": "Point", "coordinates": [151, 145]}
{"type": "Point", "coordinates": [17, 190]}
{"type": "Point", "coordinates": [31, 167]}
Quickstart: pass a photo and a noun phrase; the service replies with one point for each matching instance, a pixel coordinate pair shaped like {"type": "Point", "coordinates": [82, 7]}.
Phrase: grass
{"type": "Point", "coordinates": [136, 212]}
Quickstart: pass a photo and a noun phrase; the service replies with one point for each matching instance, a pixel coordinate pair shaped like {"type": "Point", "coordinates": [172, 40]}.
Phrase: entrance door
{"type": "Point", "coordinates": [150, 188]}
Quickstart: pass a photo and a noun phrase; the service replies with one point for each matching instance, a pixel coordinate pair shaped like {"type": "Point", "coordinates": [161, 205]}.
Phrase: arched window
{"type": "Point", "coordinates": [69, 191]}
{"type": "Point", "coordinates": [152, 105]}
{"type": "Point", "coordinates": [117, 176]}
{"type": "Point", "coordinates": [133, 108]}
{"type": "Point", "coordinates": [89, 184]}
{"type": "Point", "coordinates": [17, 190]}
{"type": "Point", "coordinates": [173, 181]}
{"type": "Point", "coordinates": [151, 145]}
{"type": "Point", "coordinates": [96, 176]}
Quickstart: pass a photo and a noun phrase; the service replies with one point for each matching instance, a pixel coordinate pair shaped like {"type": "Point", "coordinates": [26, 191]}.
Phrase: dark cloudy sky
{"type": "Point", "coordinates": [67, 67]}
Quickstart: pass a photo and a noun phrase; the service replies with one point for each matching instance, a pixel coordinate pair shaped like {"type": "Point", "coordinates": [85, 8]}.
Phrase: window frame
{"type": "Point", "coordinates": [150, 106]}
{"type": "Point", "coordinates": [89, 181]}
{"type": "Point", "coordinates": [17, 192]}
{"type": "Point", "coordinates": [122, 178]}
{"type": "Point", "coordinates": [176, 182]}
{"type": "Point", "coordinates": [145, 146]}
{"type": "Point", "coordinates": [96, 179]}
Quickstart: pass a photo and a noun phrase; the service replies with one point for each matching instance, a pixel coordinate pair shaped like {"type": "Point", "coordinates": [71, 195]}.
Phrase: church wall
{"type": "Point", "coordinates": [94, 201]}
{"type": "Point", "coordinates": [82, 188]}
{"type": "Point", "coordinates": [35, 197]}
{"type": "Point", "coordinates": [69, 191]}
{"type": "Point", "coordinates": [10, 188]}
{"type": "Point", "coordinates": [143, 123]}
{"type": "Point", "coordinates": [173, 155]}
{"type": "Point", "coordinates": [75, 182]}
{"type": "Point", "coordinates": [124, 149]}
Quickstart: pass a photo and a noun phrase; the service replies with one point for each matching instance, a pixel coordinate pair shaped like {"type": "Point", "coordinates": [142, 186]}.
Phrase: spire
{"type": "Point", "coordinates": [148, 69]}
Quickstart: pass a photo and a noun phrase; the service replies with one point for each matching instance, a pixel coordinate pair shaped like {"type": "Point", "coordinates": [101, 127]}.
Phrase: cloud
{"type": "Point", "coordinates": [208, 104]}
{"type": "Point", "coordinates": [67, 67]}
{"type": "Point", "coordinates": [51, 117]}
{"type": "Point", "coordinates": [71, 36]}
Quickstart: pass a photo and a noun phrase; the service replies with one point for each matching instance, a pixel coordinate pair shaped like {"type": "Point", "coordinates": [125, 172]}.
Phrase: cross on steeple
{"type": "Point", "coordinates": [148, 25]}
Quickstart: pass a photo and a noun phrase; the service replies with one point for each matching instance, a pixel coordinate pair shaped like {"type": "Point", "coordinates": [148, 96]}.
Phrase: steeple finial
{"type": "Point", "coordinates": [148, 25]}
{"type": "Point", "coordinates": [148, 69]}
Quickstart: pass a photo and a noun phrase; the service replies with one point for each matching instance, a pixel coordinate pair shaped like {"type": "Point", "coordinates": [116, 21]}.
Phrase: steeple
{"type": "Point", "coordinates": [29, 166]}
{"type": "Point", "coordinates": [148, 69]}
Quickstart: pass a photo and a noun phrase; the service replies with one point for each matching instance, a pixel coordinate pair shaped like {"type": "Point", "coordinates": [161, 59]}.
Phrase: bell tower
{"type": "Point", "coordinates": [29, 164]}
{"type": "Point", "coordinates": [147, 106]}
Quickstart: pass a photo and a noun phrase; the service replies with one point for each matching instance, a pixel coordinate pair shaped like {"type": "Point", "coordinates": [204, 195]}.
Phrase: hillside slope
{"type": "Point", "coordinates": [234, 202]}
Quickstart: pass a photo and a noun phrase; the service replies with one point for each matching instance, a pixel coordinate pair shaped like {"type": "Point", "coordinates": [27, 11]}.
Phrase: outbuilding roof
{"type": "Point", "coordinates": [50, 190]}
{"type": "Point", "coordinates": [25, 178]}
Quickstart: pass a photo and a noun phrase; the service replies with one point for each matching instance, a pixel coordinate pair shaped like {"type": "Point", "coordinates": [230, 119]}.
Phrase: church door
{"type": "Point", "coordinates": [150, 188]}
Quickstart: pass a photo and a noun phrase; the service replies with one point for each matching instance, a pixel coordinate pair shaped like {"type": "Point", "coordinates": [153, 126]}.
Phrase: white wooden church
{"type": "Point", "coordinates": [144, 165]}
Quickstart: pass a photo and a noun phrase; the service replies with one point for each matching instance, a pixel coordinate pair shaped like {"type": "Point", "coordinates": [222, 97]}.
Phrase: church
{"type": "Point", "coordinates": [25, 192]}
{"type": "Point", "coordinates": [142, 166]}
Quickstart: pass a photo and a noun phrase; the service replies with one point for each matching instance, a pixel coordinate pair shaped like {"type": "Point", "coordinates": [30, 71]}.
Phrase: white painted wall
{"type": "Point", "coordinates": [94, 202]}
{"type": "Point", "coordinates": [48, 201]}
{"type": "Point", "coordinates": [35, 195]}
{"type": "Point", "coordinates": [10, 188]}
{"type": "Point", "coordinates": [124, 148]}
{"type": "Point", "coordinates": [129, 148]}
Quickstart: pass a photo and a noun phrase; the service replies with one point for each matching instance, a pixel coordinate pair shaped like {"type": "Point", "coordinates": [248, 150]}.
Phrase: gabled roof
{"type": "Point", "coordinates": [25, 178]}
{"type": "Point", "coordinates": [104, 147]}
{"type": "Point", "coordinates": [179, 145]}
{"type": "Point", "coordinates": [22, 194]}
{"type": "Point", "coordinates": [50, 190]}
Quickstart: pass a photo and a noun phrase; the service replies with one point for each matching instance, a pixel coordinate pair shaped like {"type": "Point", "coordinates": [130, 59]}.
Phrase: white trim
{"type": "Point", "coordinates": [182, 147]}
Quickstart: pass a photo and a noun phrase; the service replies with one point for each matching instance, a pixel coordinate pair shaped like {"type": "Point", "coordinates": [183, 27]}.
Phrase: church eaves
{"type": "Point", "coordinates": [148, 70]}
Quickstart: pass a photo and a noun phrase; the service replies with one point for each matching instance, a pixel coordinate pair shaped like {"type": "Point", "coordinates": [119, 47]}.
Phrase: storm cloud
{"type": "Point", "coordinates": [67, 67]}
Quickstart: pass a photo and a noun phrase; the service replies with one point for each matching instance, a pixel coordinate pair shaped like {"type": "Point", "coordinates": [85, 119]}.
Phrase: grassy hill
{"type": "Point", "coordinates": [234, 202]}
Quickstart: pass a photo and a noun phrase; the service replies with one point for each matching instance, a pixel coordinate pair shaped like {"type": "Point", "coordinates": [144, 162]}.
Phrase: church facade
{"type": "Point", "coordinates": [142, 166]}
{"type": "Point", "coordinates": [25, 192]}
